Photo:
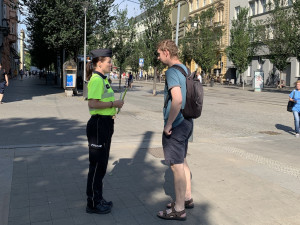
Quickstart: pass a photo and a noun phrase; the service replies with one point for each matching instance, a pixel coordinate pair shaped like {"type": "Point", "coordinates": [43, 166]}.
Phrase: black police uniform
{"type": "Point", "coordinates": [99, 130]}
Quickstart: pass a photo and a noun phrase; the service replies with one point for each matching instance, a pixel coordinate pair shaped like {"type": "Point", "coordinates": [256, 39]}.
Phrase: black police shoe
{"type": "Point", "coordinates": [104, 202]}
{"type": "Point", "coordinates": [99, 209]}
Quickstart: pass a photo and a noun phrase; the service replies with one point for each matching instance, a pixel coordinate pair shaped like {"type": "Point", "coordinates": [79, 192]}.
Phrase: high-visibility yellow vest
{"type": "Point", "coordinates": [99, 88]}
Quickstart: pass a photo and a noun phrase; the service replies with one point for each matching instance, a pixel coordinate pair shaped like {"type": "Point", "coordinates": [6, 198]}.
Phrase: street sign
{"type": "Point", "coordinates": [141, 62]}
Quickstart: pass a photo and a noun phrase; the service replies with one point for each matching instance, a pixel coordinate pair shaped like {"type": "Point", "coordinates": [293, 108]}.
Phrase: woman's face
{"type": "Point", "coordinates": [298, 86]}
{"type": "Point", "coordinates": [105, 66]}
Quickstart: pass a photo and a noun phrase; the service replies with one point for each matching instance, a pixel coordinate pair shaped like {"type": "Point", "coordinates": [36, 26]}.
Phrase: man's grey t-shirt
{"type": "Point", "coordinates": [175, 79]}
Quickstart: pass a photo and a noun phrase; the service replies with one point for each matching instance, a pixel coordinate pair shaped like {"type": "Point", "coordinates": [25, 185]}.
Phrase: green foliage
{"type": "Point", "coordinates": [296, 29]}
{"type": "Point", "coordinates": [202, 40]}
{"type": "Point", "coordinates": [241, 48]}
{"type": "Point", "coordinates": [157, 22]}
{"type": "Point", "coordinates": [279, 36]}
{"type": "Point", "coordinates": [133, 59]}
{"type": "Point", "coordinates": [27, 60]}
{"type": "Point", "coordinates": [59, 24]}
{"type": "Point", "coordinates": [122, 38]}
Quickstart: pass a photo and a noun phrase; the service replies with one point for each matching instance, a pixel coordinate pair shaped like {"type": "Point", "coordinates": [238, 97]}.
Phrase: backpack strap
{"type": "Point", "coordinates": [181, 70]}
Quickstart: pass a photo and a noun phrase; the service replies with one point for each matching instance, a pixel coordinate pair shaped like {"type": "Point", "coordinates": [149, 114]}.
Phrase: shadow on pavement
{"type": "Point", "coordinates": [26, 89]}
{"type": "Point", "coordinates": [139, 182]}
{"type": "Point", "coordinates": [287, 129]}
{"type": "Point", "coordinates": [20, 131]}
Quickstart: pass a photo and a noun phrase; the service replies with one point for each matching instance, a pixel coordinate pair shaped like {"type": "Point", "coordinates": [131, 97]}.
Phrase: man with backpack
{"type": "Point", "coordinates": [177, 130]}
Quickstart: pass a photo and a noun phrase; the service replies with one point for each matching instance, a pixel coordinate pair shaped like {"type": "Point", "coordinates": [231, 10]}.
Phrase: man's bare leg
{"type": "Point", "coordinates": [187, 171]}
{"type": "Point", "coordinates": [179, 185]}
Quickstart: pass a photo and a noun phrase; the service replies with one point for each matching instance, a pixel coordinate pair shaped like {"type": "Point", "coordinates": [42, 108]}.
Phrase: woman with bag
{"type": "Point", "coordinates": [295, 97]}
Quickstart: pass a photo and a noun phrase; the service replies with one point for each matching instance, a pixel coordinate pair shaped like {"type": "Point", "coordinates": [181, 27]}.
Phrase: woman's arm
{"type": "Point", "coordinates": [6, 79]}
{"type": "Point", "coordinates": [96, 104]}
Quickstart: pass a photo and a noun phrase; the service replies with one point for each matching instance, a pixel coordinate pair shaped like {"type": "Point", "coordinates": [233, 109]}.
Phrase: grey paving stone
{"type": "Point", "coordinates": [24, 218]}
{"type": "Point", "coordinates": [104, 219]}
{"type": "Point", "coordinates": [40, 213]}
{"type": "Point", "coordinates": [42, 223]}
{"type": "Point", "coordinates": [19, 204]}
{"type": "Point", "coordinates": [17, 223]}
{"type": "Point", "coordinates": [16, 212]}
{"type": "Point", "coordinates": [59, 213]}
{"type": "Point", "coordinates": [142, 215]}
{"type": "Point", "coordinates": [63, 221]}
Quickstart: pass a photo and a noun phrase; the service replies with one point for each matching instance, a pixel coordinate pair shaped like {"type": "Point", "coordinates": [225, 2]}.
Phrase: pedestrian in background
{"type": "Point", "coordinates": [295, 97]}
{"type": "Point", "coordinates": [100, 128]}
{"type": "Point", "coordinates": [130, 80]}
{"type": "Point", "coordinates": [3, 82]}
{"type": "Point", "coordinates": [21, 74]}
{"type": "Point", "coordinates": [176, 133]}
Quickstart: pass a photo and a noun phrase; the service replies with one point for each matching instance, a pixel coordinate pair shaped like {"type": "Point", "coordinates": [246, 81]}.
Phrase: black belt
{"type": "Point", "coordinates": [104, 116]}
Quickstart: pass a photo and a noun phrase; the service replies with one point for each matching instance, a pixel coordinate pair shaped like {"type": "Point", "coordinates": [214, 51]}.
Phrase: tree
{"type": "Point", "coordinates": [58, 25]}
{"type": "Point", "coordinates": [202, 40]}
{"type": "Point", "coordinates": [296, 29]}
{"type": "Point", "coordinates": [279, 36]}
{"type": "Point", "coordinates": [122, 41]}
{"type": "Point", "coordinates": [241, 48]}
{"type": "Point", "coordinates": [132, 59]}
{"type": "Point", "coordinates": [157, 24]}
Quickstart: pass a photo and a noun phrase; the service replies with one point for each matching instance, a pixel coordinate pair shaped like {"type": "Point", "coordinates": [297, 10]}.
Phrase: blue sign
{"type": "Point", "coordinates": [70, 80]}
{"type": "Point", "coordinates": [141, 62]}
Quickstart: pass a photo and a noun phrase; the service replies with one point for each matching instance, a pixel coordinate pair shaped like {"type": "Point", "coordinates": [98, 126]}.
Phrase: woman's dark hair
{"type": "Point", "coordinates": [92, 64]}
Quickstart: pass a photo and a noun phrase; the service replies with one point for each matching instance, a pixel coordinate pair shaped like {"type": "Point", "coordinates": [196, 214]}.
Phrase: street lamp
{"type": "Point", "coordinates": [85, 7]}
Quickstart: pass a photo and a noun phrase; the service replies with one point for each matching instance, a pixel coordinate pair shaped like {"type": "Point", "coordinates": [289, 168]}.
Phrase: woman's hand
{"type": "Point", "coordinates": [118, 103]}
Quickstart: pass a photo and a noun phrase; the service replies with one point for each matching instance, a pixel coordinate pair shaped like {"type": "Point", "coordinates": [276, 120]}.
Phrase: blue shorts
{"type": "Point", "coordinates": [175, 146]}
{"type": "Point", "coordinates": [2, 87]}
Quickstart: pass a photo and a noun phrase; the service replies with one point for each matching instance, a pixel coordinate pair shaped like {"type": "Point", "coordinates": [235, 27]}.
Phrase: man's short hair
{"type": "Point", "coordinates": [168, 45]}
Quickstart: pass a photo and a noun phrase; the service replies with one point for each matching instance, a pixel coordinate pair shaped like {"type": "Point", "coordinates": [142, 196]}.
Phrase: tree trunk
{"type": "Point", "coordinates": [154, 81]}
{"type": "Point", "coordinates": [280, 85]}
{"type": "Point", "coordinates": [120, 78]}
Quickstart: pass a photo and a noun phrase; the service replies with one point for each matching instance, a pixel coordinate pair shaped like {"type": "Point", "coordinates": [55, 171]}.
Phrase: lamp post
{"type": "Point", "coordinates": [85, 7]}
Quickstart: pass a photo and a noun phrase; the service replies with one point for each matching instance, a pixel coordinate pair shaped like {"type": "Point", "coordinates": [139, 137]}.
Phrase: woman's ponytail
{"type": "Point", "coordinates": [89, 70]}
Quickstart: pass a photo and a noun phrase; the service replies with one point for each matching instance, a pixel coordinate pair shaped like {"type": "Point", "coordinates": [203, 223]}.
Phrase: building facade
{"type": "Point", "coordinates": [8, 37]}
{"type": "Point", "coordinates": [192, 7]}
{"type": "Point", "coordinates": [258, 10]}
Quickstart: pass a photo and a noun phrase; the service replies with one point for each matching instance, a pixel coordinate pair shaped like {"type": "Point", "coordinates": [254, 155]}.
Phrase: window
{"type": "Point", "coordinates": [264, 6]}
{"type": "Point", "coordinates": [252, 8]}
{"type": "Point", "coordinates": [197, 6]}
{"type": "Point", "coordinates": [290, 2]}
{"type": "Point", "coordinates": [4, 11]}
{"type": "Point", "coordinates": [204, 2]}
{"type": "Point", "coordinates": [236, 11]}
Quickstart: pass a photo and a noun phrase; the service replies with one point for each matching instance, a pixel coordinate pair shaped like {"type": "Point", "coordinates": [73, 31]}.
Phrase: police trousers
{"type": "Point", "coordinates": [99, 131]}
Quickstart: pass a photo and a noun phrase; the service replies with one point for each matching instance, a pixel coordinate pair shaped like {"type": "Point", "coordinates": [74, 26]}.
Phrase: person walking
{"type": "Point", "coordinates": [130, 80]}
{"type": "Point", "coordinates": [295, 97]}
{"type": "Point", "coordinates": [176, 132]}
{"type": "Point", "coordinates": [3, 82]}
{"type": "Point", "coordinates": [21, 74]}
{"type": "Point", "coordinates": [100, 128]}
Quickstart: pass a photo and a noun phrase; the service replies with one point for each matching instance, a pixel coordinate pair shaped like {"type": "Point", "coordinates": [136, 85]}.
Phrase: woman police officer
{"type": "Point", "coordinates": [100, 128]}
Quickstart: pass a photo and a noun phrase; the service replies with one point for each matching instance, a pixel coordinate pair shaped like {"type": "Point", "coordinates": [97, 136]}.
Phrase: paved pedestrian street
{"type": "Point", "coordinates": [244, 158]}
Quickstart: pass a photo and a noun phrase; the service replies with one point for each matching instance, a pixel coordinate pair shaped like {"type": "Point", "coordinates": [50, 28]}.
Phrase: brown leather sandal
{"type": "Point", "coordinates": [174, 215]}
{"type": "Point", "coordinates": [189, 204]}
